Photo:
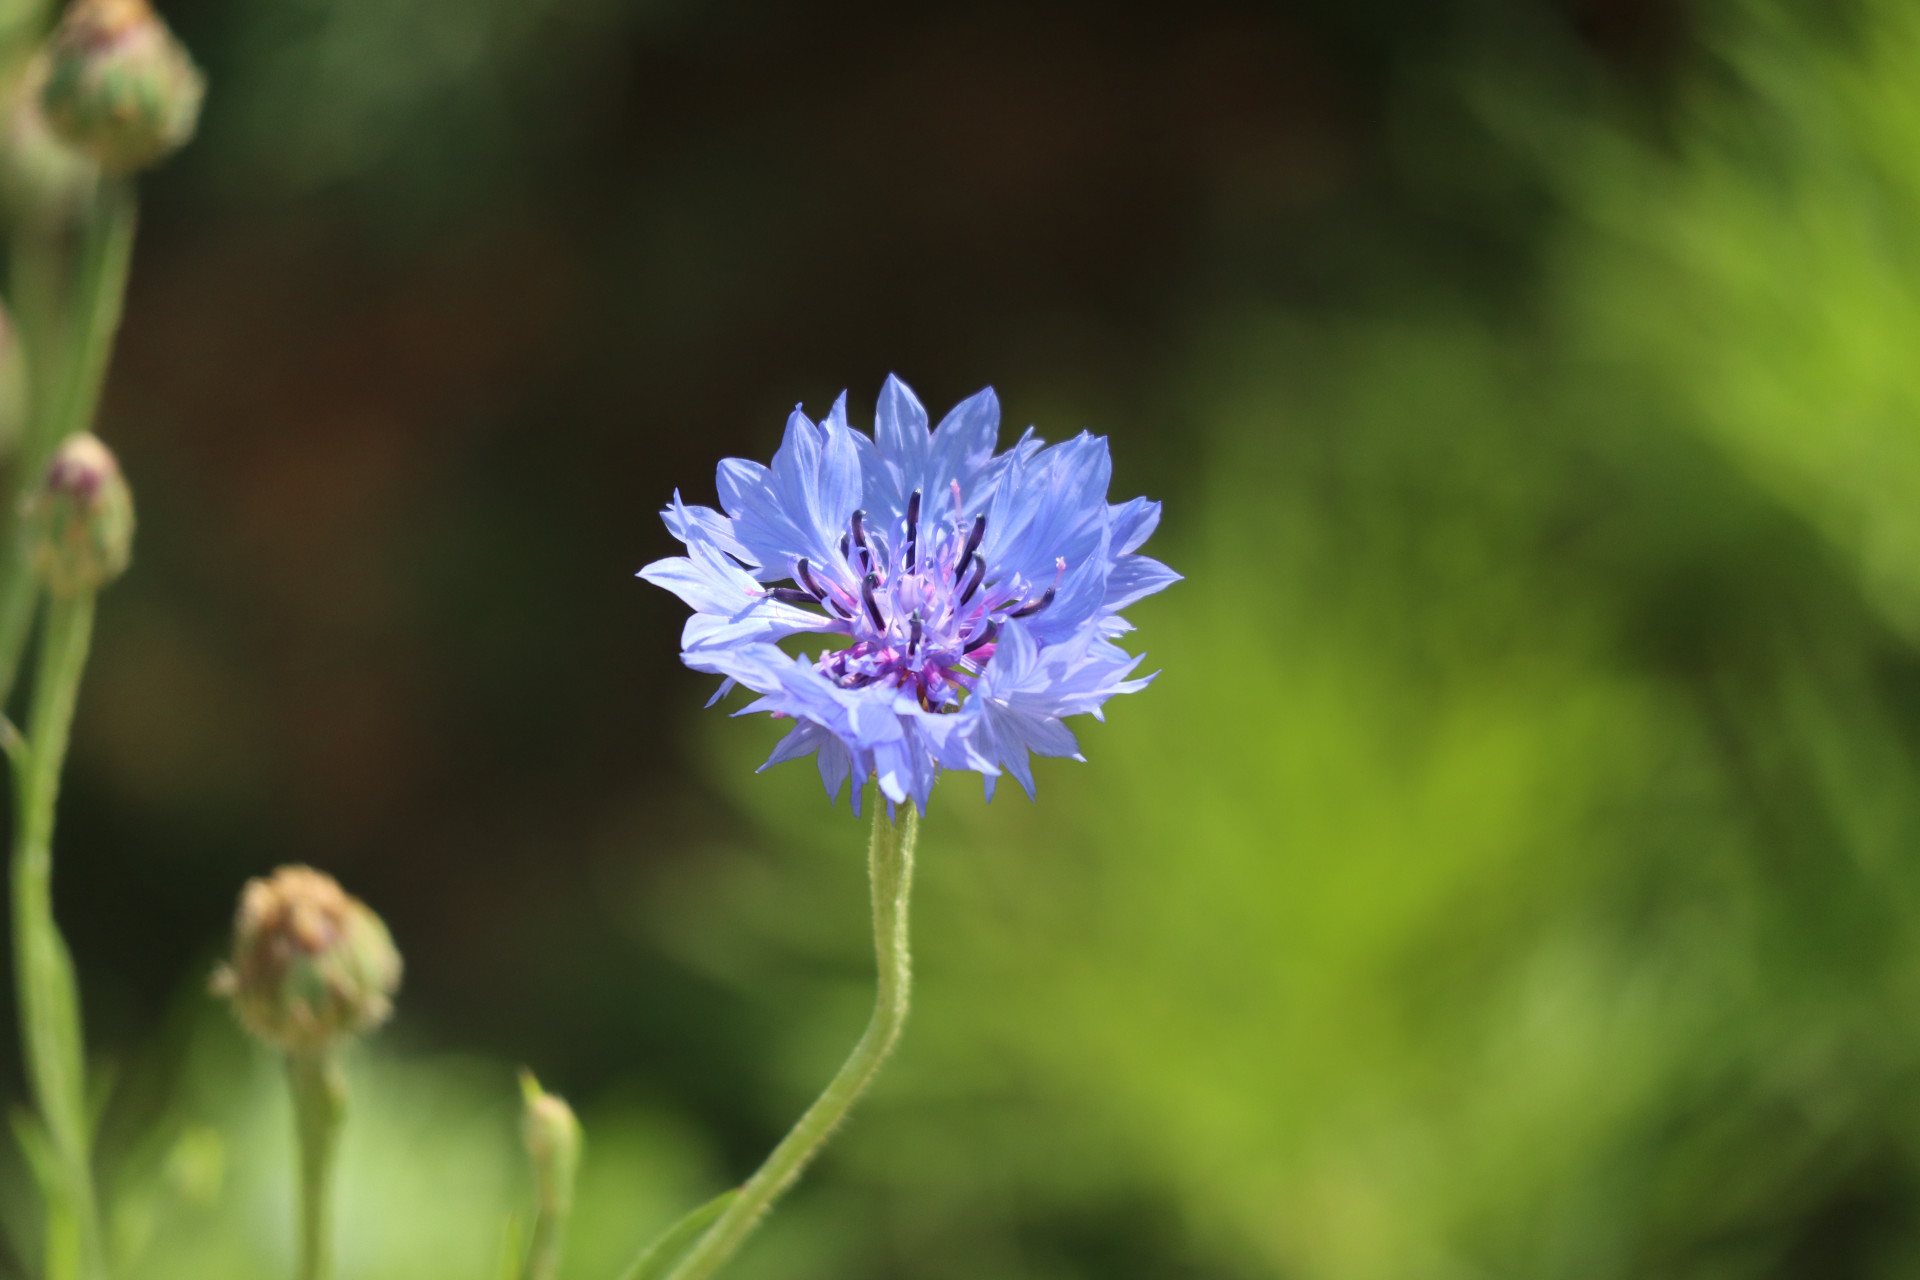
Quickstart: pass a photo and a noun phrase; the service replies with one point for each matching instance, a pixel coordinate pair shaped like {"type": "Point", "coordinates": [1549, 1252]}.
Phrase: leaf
{"type": "Point", "coordinates": [677, 1239]}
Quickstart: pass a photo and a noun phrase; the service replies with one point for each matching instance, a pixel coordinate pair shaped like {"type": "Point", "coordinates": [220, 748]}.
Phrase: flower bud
{"type": "Point", "coordinates": [552, 1135]}
{"type": "Point", "coordinates": [82, 518]}
{"type": "Point", "coordinates": [119, 86]}
{"type": "Point", "coordinates": [311, 963]}
{"type": "Point", "coordinates": [44, 182]}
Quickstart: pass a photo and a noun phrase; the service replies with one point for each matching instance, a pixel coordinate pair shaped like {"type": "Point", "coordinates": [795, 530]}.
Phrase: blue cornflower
{"type": "Point", "coordinates": [979, 594]}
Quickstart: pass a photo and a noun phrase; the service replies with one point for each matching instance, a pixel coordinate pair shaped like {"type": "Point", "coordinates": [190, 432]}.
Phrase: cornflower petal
{"type": "Point", "coordinates": [1132, 523]}
{"type": "Point", "coordinates": [1135, 578]}
{"type": "Point", "coordinates": [760, 522]}
{"type": "Point", "coordinates": [688, 523]}
{"type": "Point", "coordinates": [1051, 506]}
{"type": "Point", "coordinates": [816, 475]}
{"type": "Point", "coordinates": [963, 442]}
{"type": "Point", "coordinates": [730, 607]}
{"type": "Point", "coordinates": [901, 445]}
{"type": "Point", "coordinates": [1078, 599]}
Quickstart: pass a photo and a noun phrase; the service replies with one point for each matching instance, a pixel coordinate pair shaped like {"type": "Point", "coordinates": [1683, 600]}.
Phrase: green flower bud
{"type": "Point", "coordinates": [119, 86]}
{"type": "Point", "coordinates": [44, 182]}
{"type": "Point", "coordinates": [82, 518]}
{"type": "Point", "coordinates": [311, 963]}
{"type": "Point", "coordinates": [551, 1132]}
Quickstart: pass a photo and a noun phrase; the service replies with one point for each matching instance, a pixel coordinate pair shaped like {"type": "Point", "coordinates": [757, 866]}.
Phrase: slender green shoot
{"type": "Point", "coordinates": [48, 994]}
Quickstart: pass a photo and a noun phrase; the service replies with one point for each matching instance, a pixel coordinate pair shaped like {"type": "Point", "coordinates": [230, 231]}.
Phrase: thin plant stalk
{"type": "Point", "coordinates": [319, 1108]}
{"type": "Point", "coordinates": [890, 867]}
{"type": "Point", "coordinates": [553, 1138]}
{"type": "Point", "coordinates": [549, 1241]}
{"type": "Point", "coordinates": [68, 344]}
{"type": "Point", "coordinates": [106, 254]}
{"type": "Point", "coordinates": [48, 994]}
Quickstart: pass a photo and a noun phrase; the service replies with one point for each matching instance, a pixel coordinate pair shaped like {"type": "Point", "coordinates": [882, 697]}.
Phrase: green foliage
{"type": "Point", "coordinates": [1767, 271]}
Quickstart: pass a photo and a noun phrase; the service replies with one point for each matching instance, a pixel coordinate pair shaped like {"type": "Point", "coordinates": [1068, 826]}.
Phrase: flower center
{"type": "Point", "coordinates": [918, 600]}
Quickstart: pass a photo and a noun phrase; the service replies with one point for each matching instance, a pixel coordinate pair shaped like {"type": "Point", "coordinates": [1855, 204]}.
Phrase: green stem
{"type": "Point", "coordinates": [101, 292]}
{"type": "Point", "coordinates": [549, 1243]}
{"type": "Point", "coordinates": [67, 349]}
{"type": "Point", "coordinates": [48, 995]}
{"type": "Point", "coordinates": [319, 1106]}
{"type": "Point", "coordinates": [548, 1246]}
{"type": "Point", "coordinates": [890, 866]}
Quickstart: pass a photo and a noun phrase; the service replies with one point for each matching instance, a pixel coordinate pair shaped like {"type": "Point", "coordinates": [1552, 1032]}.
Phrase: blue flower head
{"type": "Point", "coordinates": [977, 595]}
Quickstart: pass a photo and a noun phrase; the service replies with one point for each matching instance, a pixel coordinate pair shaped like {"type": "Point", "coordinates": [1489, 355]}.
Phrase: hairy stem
{"type": "Point", "coordinates": [319, 1107]}
{"type": "Point", "coordinates": [890, 866]}
{"type": "Point", "coordinates": [48, 996]}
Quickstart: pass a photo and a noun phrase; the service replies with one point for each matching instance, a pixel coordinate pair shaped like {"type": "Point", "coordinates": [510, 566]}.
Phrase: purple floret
{"type": "Point", "coordinates": [978, 593]}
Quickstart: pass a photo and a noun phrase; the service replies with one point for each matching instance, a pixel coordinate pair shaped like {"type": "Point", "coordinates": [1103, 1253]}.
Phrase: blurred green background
{"type": "Point", "coordinates": [1516, 871]}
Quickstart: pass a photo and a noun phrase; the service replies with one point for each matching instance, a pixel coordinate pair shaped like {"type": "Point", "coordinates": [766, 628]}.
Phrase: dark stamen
{"type": "Point", "coordinates": [1028, 610]}
{"type": "Point", "coordinates": [988, 634]}
{"type": "Point", "coordinates": [860, 538]}
{"type": "Point", "coordinates": [806, 579]}
{"type": "Point", "coordinates": [914, 632]}
{"type": "Point", "coordinates": [973, 544]}
{"type": "Point", "coordinates": [867, 584]}
{"type": "Point", "coordinates": [792, 595]}
{"type": "Point", "coordinates": [846, 547]}
{"type": "Point", "coordinates": [979, 573]}
{"type": "Point", "coordinates": [913, 526]}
